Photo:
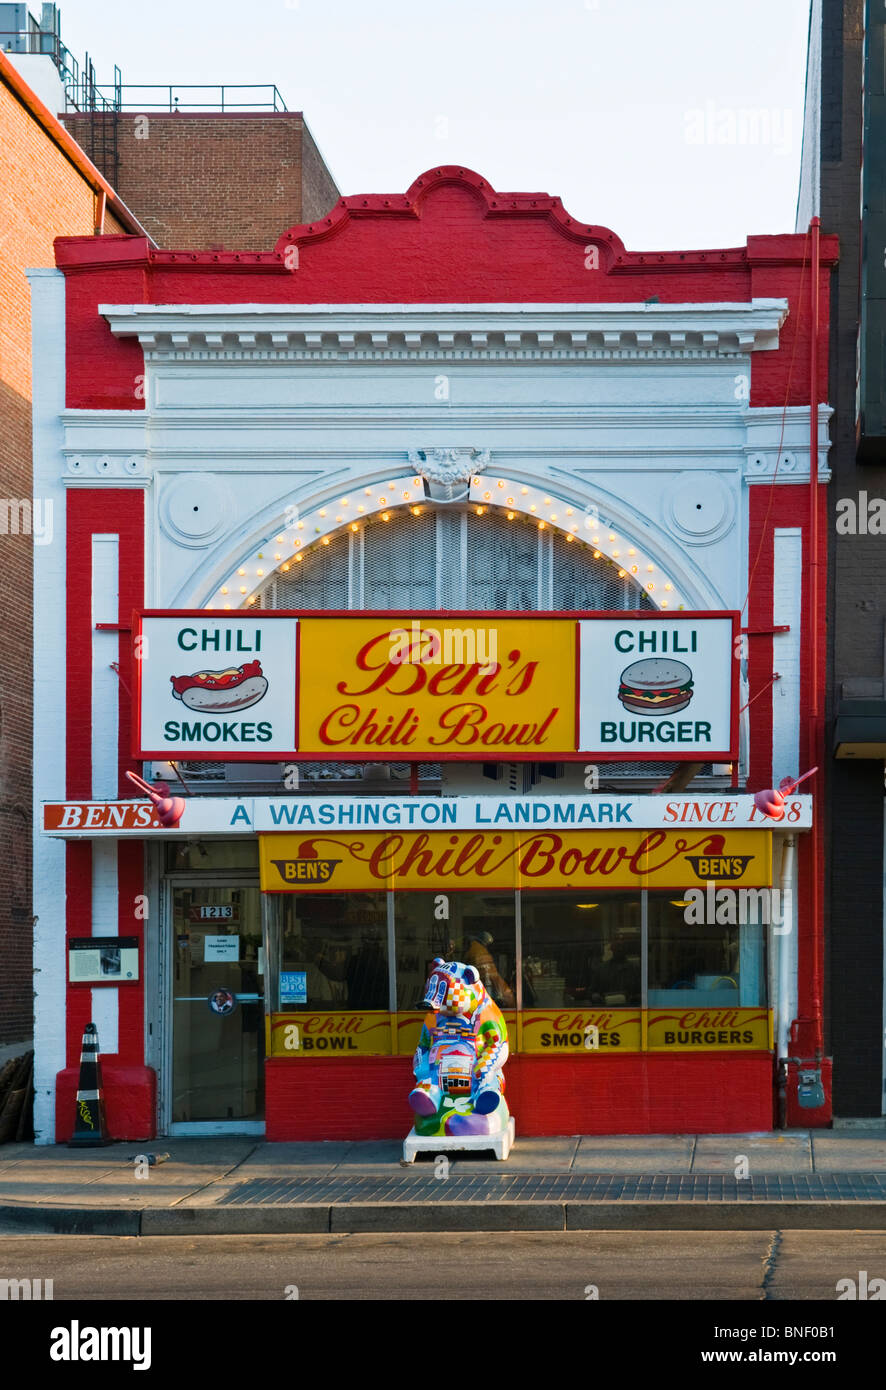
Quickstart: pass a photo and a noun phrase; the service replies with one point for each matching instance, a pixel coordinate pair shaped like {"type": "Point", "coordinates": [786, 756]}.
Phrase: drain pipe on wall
{"type": "Point", "coordinates": [785, 931]}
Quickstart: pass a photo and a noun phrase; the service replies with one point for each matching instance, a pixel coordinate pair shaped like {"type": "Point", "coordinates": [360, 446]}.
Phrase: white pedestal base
{"type": "Point", "coordinates": [438, 1144]}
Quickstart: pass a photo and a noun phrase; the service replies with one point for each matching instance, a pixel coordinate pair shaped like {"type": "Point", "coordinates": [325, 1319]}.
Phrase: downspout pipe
{"type": "Point", "coordinates": [815, 751]}
{"type": "Point", "coordinates": [783, 931]}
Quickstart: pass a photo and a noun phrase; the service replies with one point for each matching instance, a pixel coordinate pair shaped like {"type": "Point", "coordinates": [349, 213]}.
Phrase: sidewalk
{"type": "Point", "coordinates": [825, 1179]}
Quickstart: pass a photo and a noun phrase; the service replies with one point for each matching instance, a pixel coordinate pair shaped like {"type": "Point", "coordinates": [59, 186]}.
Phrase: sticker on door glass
{"type": "Point", "coordinates": [222, 1002]}
{"type": "Point", "coordinates": [221, 948]}
{"type": "Point", "coordinates": [293, 987]}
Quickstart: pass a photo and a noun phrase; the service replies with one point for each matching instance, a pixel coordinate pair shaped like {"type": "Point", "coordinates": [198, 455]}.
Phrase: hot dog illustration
{"type": "Point", "coordinates": [237, 687]}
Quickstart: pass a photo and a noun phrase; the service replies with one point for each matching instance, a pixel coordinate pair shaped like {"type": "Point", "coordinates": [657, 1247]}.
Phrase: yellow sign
{"type": "Point", "coordinates": [452, 687]}
{"type": "Point", "coordinates": [591, 1033]}
{"type": "Point", "coordinates": [542, 1032]}
{"type": "Point", "coordinates": [438, 861]}
{"type": "Point", "coordinates": [330, 1035]}
{"type": "Point", "coordinates": [408, 1029]}
{"type": "Point", "coordinates": [695, 1030]}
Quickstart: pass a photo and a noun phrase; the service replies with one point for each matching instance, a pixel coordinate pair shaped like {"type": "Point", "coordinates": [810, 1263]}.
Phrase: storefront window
{"type": "Point", "coordinates": [705, 963]}
{"type": "Point", "coordinates": [580, 951]}
{"type": "Point", "coordinates": [213, 856]}
{"type": "Point", "coordinates": [475, 928]}
{"type": "Point", "coordinates": [332, 951]}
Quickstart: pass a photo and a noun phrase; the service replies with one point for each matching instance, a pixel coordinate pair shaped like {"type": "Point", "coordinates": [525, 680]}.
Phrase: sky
{"type": "Point", "coordinates": [676, 123]}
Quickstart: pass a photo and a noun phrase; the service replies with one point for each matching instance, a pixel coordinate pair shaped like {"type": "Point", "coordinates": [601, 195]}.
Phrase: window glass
{"type": "Point", "coordinates": [335, 946]}
{"type": "Point", "coordinates": [477, 929]}
{"type": "Point", "coordinates": [698, 964]}
{"type": "Point", "coordinates": [211, 855]}
{"type": "Point", "coordinates": [581, 948]}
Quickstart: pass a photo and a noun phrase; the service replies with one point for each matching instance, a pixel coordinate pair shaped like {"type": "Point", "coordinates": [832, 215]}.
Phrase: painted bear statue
{"type": "Point", "coordinates": [459, 1085]}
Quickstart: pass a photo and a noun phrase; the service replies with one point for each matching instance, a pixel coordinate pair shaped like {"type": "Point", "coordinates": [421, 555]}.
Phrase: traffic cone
{"type": "Point", "coordinates": [90, 1129]}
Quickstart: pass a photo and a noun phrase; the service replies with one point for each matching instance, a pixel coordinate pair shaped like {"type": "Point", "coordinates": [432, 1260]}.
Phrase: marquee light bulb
{"type": "Point", "coordinates": [391, 487]}
{"type": "Point", "coordinates": [322, 511]}
{"type": "Point", "coordinates": [299, 526]}
{"type": "Point", "coordinates": [632, 551]}
{"type": "Point", "coordinates": [511, 516]}
{"type": "Point", "coordinates": [500, 483]}
{"type": "Point", "coordinates": [339, 518]}
{"type": "Point", "coordinates": [416, 482]}
{"type": "Point", "coordinates": [612, 538]}
{"type": "Point", "coordinates": [354, 526]}
{"type": "Point", "coordinates": [475, 482]}
{"type": "Point", "coordinates": [325, 540]}
{"type": "Point", "coordinates": [241, 571]}
{"type": "Point", "coordinates": [227, 605]}
{"type": "Point", "coordinates": [569, 511]}
{"type": "Point", "coordinates": [553, 516]}
{"type": "Point", "coordinates": [224, 590]}
{"type": "Point", "coordinates": [615, 554]}
{"type": "Point", "coordinates": [596, 554]}
{"type": "Point", "coordinates": [524, 491]}
{"type": "Point", "coordinates": [621, 574]}
{"type": "Point", "coordinates": [285, 568]}
{"type": "Point", "coordinates": [510, 501]}
{"type": "Point", "coordinates": [243, 588]}
{"type": "Point", "coordinates": [279, 540]}
{"type": "Point", "coordinates": [386, 516]}
{"type": "Point", "coordinates": [547, 501]}
{"type": "Point", "coordinates": [569, 539]}
{"type": "Point", "coordinates": [532, 506]}
{"type": "Point", "coordinates": [260, 573]}
{"type": "Point", "coordinates": [669, 587]}
{"type": "Point", "coordinates": [382, 501]}
{"type": "Point", "coordinates": [344, 502]}
{"type": "Point", "coordinates": [541, 526]}
{"type": "Point", "coordinates": [278, 557]}
{"type": "Point", "coordinates": [487, 497]}
{"type": "Point", "coordinates": [360, 507]}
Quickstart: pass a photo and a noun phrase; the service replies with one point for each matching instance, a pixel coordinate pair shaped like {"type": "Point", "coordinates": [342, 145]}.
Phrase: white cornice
{"type": "Point", "coordinates": [360, 332]}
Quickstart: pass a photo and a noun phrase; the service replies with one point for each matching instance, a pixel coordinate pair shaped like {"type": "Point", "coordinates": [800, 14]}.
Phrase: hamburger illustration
{"type": "Point", "coordinates": [237, 687]}
{"type": "Point", "coordinates": [656, 685]}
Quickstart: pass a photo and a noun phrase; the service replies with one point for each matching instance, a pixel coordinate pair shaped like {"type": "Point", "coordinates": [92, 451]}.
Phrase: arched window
{"type": "Point", "coordinates": [451, 558]}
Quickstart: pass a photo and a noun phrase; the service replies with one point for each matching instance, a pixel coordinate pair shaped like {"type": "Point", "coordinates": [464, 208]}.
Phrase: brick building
{"type": "Point", "coordinates": [843, 170]}
{"type": "Point", "coordinates": [212, 179]}
{"type": "Point", "coordinates": [466, 410]}
{"type": "Point", "coordinates": [50, 189]}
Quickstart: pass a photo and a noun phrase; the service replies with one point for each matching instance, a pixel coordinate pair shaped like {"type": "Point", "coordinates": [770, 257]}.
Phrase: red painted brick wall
{"type": "Point", "coordinates": [43, 196]}
{"type": "Point", "coordinates": [210, 181]}
{"type": "Point", "coordinates": [636, 1094]}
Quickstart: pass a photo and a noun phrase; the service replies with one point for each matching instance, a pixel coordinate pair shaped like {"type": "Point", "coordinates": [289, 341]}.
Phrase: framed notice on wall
{"type": "Point", "coordinates": [102, 960]}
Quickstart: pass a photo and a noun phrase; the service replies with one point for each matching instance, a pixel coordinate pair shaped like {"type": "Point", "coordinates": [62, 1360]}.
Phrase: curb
{"type": "Point", "coordinates": [390, 1218]}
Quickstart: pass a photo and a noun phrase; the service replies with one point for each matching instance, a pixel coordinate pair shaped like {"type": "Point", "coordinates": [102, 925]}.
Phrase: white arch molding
{"type": "Point", "coordinates": [669, 582]}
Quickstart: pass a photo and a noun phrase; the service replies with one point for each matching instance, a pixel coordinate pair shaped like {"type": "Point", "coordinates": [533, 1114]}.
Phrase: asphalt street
{"type": "Point", "coordinates": [567, 1265]}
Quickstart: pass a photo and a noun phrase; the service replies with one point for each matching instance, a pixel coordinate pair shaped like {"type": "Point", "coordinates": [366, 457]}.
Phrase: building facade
{"type": "Point", "coordinates": [502, 531]}
{"type": "Point", "coordinates": [843, 181]}
{"type": "Point", "coordinates": [51, 189]}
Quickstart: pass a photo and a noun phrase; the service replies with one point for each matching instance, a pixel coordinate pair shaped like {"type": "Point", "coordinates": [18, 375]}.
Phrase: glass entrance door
{"type": "Point", "coordinates": [217, 1008]}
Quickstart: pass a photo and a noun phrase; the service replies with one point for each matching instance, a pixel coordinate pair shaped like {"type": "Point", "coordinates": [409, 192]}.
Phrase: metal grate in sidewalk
{"type": "Point", "coordinates": [414, 1187]}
